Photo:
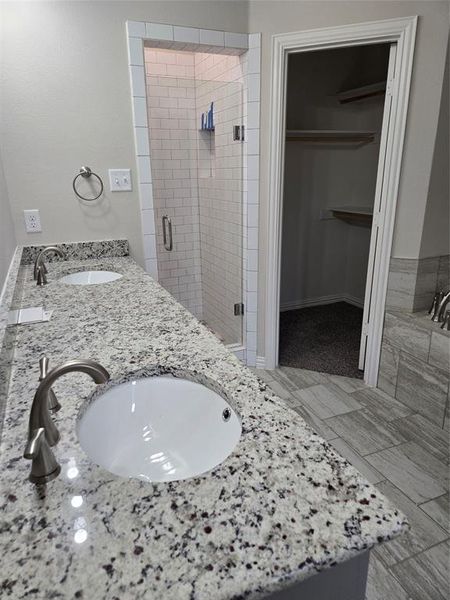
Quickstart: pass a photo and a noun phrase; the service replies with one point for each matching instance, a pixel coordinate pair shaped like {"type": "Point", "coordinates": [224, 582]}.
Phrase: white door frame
{"type": "Point", "coordinates": [402, 32]}
{"type": "Point", "coordinates": [383, 163]}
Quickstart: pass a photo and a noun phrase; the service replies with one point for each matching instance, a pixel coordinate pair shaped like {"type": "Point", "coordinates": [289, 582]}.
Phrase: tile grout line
{"type": "Point", "coordinates": [432, 499]}
{"type": "Point", "coordinates": [418, 506]}
{"type": "Point", "coordinates": [415, 555]}
{"type": "Point", "coordinates": [387, 448]}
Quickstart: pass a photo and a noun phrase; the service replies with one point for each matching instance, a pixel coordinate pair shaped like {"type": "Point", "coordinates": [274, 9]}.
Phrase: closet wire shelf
{"type": "Point", "coordinates": [353, 215]}
{"type": "Point", "coordinates": [329, 136]}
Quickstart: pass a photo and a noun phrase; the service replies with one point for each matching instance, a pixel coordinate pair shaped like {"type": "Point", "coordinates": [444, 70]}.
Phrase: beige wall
{"type": "Point", "coordinates": [278, 16]}
{"type": "Point", "coordinates": [66, 103]}
{"type": "Point", "coordinates": [436, 229]}
{"type": "Point", "coordinates": [7, 236]}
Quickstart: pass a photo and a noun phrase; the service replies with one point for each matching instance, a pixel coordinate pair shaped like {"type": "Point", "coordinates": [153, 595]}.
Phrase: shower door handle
{"type": "Point", "coordinates": [167, 233]}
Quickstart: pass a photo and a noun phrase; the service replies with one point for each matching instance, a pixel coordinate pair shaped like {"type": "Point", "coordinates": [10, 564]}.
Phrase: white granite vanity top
{"type": "Point", "coordinates": [282, 507]}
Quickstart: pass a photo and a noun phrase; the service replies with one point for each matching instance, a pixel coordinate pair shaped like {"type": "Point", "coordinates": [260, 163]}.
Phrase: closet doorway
{"type": "Point", "coordinates": [335, 102]}
{"type": "Point", "coordinates": [361, 198]}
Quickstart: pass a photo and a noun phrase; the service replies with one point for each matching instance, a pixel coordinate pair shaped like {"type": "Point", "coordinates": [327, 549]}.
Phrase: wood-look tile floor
{"type": "Point", "coordinates": [400, 452]}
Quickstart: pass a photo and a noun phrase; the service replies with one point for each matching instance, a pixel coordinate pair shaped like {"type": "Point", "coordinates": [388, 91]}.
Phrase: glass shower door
{"type": "Point", "coordinates": [220, 191]}
{"type": "Point", "coordinates": [197, 183]}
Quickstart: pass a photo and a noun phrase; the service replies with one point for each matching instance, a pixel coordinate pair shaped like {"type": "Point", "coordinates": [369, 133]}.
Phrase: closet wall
{"type": "Point", "coordinates": [325, 259]}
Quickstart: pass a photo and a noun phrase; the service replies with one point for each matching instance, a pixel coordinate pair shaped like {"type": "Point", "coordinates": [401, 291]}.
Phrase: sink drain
{"type": "Point", "coordinates": [226, 414]}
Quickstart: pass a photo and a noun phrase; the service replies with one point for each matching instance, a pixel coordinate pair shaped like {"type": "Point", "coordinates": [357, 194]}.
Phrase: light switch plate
{"type": "Point", "coordinates": [120, 180]}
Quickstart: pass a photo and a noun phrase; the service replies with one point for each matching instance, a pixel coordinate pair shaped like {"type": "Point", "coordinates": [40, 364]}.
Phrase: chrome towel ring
{"type": "Point", "coordinates": [86, 172]}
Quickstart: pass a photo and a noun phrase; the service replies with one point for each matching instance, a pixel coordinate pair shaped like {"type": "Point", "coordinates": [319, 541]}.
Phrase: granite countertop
{"type": "Point", "coordinates": [283, 506]}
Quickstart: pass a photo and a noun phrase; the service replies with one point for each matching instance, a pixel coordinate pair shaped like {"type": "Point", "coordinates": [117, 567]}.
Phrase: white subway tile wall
{"type": "Point", "coordinates": [252, 83]}
{"type": "Point", "coordinates": [172, 126]}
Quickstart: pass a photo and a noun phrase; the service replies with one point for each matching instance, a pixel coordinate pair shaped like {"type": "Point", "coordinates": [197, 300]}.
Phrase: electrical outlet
{"type": "Point", "coordinates": [32, 221]}
{"type": "Point", "coordinates": [120, 180]}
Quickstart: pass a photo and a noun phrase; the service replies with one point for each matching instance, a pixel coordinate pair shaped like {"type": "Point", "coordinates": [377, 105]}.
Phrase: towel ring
{"type": "Point", "coordinates": [86, 172]}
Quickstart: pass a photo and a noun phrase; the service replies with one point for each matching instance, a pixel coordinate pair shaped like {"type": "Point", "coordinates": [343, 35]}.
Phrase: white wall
{"type": "Point", "coordinates": [279, 16]}
{"type": "Point", "coordinates": [66, 103]}
{"type": "Point", "coordinates": [327, 258]}
{"type": "Point", "coordinates": [7, 236]}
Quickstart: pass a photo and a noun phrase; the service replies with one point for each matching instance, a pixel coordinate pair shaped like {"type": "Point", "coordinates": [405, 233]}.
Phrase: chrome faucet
{"type": "Point", "coordinates": [40, 270]}
{"type": "Point", "coordinates": [438, 295]}
{"type": "Point", "coordinates": [42, 432]}
{"type": "Point", "coordinates": [439, 314]}
{"type": "Point", "coordinates": [53, 404]}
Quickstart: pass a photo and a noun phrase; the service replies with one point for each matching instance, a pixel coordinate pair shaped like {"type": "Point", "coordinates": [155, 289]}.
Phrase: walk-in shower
{"type": "Point", "coordinates": [195, 129]}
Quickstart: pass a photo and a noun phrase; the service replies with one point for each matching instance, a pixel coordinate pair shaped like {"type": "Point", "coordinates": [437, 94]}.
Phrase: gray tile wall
{"type": "Point", "coordinates": [412, 282]}
{"type": "Point", "coordinates": [415, 363]}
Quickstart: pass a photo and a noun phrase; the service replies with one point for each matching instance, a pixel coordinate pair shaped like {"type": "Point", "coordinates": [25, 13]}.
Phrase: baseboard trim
{"type": "Point", "coordinates": [260, 362]}
{"type": "Point", "coordinates": [353, 300]}
{"type": "Point", "coordinates": [321, 300]}
{"type": "Point", "coordinates": [235, 347]}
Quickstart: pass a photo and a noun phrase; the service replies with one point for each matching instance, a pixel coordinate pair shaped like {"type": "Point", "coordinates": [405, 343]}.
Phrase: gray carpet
{"type": "Point", "coordinates": [322, 338]}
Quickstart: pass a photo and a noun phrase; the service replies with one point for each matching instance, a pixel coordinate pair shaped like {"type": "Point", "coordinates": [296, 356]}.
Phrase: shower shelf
{"type": "Point", "coordinates": [354, 215]}
{"type": "Point", "coordinates": [329, 136]}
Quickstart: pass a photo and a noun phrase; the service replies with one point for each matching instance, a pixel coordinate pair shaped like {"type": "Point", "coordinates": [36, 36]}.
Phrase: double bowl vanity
{"type": "Point", "coordinates": [182, 476]}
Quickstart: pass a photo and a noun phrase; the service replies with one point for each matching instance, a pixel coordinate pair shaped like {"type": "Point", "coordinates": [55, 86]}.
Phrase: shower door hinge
{"type": "Point", "coordinates": [238, 309]}
{"type": "Point", "coordinates": [365, 329]}
{"type": "Point", "coordinates": [238, 133]}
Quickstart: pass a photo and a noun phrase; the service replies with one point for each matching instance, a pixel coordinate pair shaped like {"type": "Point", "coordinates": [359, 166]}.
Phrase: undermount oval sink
{"type": "Point", "coordinates": [159, 428]}
{"type": "Point", "coordinates": [90, 277]}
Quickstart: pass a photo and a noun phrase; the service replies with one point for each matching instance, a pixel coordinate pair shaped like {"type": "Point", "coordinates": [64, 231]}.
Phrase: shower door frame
{"type": "Point", "coordinates": [401, 32]}
{"type": "Point", "coordinates": [203, 40]}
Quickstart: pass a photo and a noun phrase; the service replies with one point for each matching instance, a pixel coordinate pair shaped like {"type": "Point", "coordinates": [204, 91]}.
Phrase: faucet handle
{"type": "Point", "coordinates": [43, 367]}
{"type": "Point", "coordinates": [44, 467]}
{"type": "Point", "coordinates": [33, 444]}
{"type": "Point", "coordinates": [446, 322]}
{"type": "Point", "coordinates": [53, 404]}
